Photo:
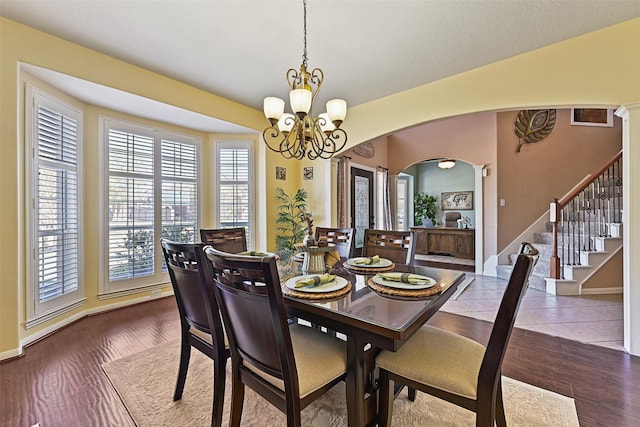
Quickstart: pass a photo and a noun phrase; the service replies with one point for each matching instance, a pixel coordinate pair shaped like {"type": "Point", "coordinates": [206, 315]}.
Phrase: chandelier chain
{"type": "Point", "coordinates": [304, 55]}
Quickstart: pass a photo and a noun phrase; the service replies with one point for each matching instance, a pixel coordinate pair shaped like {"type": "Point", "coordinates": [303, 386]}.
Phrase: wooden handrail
{"type": "Point", "coordinates": [571, 195]}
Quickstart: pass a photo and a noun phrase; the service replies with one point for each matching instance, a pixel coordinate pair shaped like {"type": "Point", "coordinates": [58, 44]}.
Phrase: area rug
{"type": "Point", "coordinates": [146, 381]}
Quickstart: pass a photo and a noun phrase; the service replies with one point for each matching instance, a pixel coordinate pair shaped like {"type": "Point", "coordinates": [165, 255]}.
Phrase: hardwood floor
{"type": "Point", "coordinates": [59, 380]}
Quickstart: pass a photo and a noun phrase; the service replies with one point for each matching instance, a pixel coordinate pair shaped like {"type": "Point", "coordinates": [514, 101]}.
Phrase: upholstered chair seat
{"type": "Point", "coordinates": [320, 359]}
{"type": "Point", "coordinates": [453, 361]}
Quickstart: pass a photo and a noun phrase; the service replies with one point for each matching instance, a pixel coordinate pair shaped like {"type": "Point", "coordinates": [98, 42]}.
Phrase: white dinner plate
{"type": "Point", "coordinates": [401, 285]}
{"type": "Point", "coordinates": [335, 285]}
{"type": "Point", "coordinates": [380, 264]}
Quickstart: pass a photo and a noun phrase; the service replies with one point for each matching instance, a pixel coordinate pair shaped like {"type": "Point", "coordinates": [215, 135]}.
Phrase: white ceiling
{"type": "Point", "coordinates": [368, 49]}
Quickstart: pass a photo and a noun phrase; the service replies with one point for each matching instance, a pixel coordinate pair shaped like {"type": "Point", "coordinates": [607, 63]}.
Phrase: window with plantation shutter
{"type": "Point", "coordinates": [54, 138]}
{"type": "Point", "coordinates": [152, 193]}
{"type": "Point", "coordinates": [234, 166]}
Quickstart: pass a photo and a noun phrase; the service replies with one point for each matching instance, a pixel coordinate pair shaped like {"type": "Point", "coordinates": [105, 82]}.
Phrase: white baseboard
{"type": "Point", "coordinates": [602, 291]}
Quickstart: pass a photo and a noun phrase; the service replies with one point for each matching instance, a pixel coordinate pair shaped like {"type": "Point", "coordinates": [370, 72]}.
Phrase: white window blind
{"type": "Point", "coordinates": [152, 192]}
{"type": "Point", "coordinates": [179, 191]}
{"type": "Point", "coordinates": [56, 216]}
{"type": "Point", "coordinates": [131, 204]}
{"type": "Point", "coordinates": [235, 188]}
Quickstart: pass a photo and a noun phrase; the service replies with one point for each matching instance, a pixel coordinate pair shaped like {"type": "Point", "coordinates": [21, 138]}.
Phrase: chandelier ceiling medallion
{"type": "Point", "coordinates": [300, 134]}
{"type": "Point", "coordinates": [446, 163]}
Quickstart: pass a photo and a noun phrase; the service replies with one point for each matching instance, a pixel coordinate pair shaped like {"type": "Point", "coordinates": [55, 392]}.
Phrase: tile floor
{"type": "Point", "coordinates": [592, 319]}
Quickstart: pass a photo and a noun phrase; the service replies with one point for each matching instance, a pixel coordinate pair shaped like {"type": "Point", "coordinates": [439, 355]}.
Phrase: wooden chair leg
{"type": "Point", "coordinates": [501, 418]}
{"type": "Point", "coordinates": [411, 393]}
{"type": "Point", "coordinates": [185, 355]}
{"type": "Point", "coordinates": [385, 399]}
{"type": "Point", "coordinates": [219, 373]}
{"type": "Point", "coordinates": [485, 413]}
{"type": "Point", "coordinates": [294, 418]}
{"type": "Point", "coordinates": [237, 400]}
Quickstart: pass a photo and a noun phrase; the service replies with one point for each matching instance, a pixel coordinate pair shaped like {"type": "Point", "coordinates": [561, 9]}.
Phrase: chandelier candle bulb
{"type": "Point", "coordinates": [300, 100]}
{"type": "Point", "coordinates": [337, 111]}
{"type": "Point", "coordinates": [326, 124]}
{"type": "Point", "coordinates": [286, 122]}
{"type": "Point", "coordinates": [273, 109]}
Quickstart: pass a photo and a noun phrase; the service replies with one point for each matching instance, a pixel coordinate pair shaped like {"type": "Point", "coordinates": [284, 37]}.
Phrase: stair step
{"type": "Point", "coordinates": [536, 280]}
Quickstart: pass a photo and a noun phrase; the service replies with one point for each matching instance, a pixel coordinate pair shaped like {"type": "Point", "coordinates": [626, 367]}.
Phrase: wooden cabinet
{"type": "Point", "coordinates": [456, 242]}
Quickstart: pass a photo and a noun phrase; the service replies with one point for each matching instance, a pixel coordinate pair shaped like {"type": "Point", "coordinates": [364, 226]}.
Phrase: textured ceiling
{"type": "Point", "coordinates": [367, 49]}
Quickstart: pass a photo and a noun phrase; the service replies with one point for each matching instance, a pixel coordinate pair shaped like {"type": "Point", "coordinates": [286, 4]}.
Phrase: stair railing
{"type": "Point", "coordinates": [589, 211]}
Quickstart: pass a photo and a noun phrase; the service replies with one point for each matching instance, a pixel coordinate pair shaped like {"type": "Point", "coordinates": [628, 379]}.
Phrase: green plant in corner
{"type": "Point", "coordinates": [292, 219]}
{"type": "Point", "coordinates": [424, 206]}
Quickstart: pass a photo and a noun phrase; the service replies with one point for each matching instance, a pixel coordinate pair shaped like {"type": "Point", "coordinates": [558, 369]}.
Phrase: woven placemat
{"type": "Point", "coordinates": [371, 270]}
{"type": "Point", "coordinates": [317, 295]}
{"type": "Point", "coordinates": [418, 293]}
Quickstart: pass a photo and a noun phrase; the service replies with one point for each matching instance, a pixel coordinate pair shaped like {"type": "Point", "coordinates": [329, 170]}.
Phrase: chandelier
{"type": "Point", "coordinates": [300, 134]}
{"type": "Point", "coordinates": [446, 163]}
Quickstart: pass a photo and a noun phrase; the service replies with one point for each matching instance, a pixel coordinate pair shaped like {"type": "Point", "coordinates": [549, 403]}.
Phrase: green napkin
{"type": "Point", "coordinates": [368, 260]}
{"type": "Point", "coordinates": [413, 279]}
{"type": "Point", "coordinates": [315, 280]}
{"type": "Point", "coordinates": [253, 253]}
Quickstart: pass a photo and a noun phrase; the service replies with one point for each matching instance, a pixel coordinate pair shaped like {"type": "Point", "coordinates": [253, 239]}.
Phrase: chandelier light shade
{"type": "Point", "coordinates": [300, 134]}
{"type": "Point", "coordinates": [446, 163]}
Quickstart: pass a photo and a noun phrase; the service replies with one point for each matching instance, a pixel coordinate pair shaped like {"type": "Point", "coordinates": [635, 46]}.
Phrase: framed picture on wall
{"type": "Point", "coordinates": [307, 173]}
{"type": "Point", "coordinates": [456, 200]}
{"type": "Point", "coordinates": [592, 117]}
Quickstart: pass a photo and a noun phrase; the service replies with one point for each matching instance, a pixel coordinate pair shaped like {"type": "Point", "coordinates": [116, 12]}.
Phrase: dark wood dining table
{"type": "Point", "coordinates": [371, 322]}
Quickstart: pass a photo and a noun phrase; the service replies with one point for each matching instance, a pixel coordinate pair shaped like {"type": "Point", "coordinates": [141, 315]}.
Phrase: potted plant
{"type": "Point", "coordinates": [293, 219]}
{"type": "Point", "coordinates": [424, 206]}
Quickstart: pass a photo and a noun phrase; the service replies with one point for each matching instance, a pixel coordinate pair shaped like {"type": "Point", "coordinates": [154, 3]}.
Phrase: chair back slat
{"type": "Point", "coordinates": [341, 237]}
{"type": "Point", "coordinates": [230, 240]}
{"type": "Point", "coordinates": [398, 246]}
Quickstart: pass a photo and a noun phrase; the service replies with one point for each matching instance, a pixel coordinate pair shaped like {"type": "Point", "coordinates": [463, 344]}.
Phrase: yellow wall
{"type": "Point", "coordinates": [601, 68]}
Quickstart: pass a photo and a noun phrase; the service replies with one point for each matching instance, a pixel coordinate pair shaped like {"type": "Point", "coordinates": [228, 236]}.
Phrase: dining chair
{"type": "Point", "coordinates": [398, 246]}
{"type": "Point", "coordinates": [341, 237]}
{"type": "Point", "coordinates": [454, 368]}
{"type": "Point", "coordinates": [200, 321]}
{"type": "Point", "coordinates": [231, 240]}
{"type": "Point", "coordinates": [289, 365]}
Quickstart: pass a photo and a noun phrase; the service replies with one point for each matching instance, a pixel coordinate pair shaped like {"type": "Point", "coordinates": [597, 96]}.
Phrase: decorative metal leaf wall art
{"type": "Point", "coordinates": [365, 149]}
{"type": "Point", "coordinates": [533, 126]}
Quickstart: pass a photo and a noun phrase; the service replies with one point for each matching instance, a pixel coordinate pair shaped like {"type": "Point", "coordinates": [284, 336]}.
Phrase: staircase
{"type": "Point", "coordinates": [587, 226]}
{"type": "Point", "coordinates": [573, 275]}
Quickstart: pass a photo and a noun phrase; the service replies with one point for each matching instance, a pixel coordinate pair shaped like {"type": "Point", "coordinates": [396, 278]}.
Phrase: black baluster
{"type": "Point", "coordinates": [589, 203]}
{"type": "Point", "coordinates": [562, 247]}
{"type": "Point", "coordinates": [609, 190]}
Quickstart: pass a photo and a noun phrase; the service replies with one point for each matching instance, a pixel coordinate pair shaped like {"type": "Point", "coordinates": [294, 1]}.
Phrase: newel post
{"type": "Point", "coordinates": [554, 267]}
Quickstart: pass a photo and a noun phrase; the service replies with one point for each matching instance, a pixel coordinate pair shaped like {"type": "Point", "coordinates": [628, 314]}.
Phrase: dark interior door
{"type": "Point", "coordinates": [362, 212]}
